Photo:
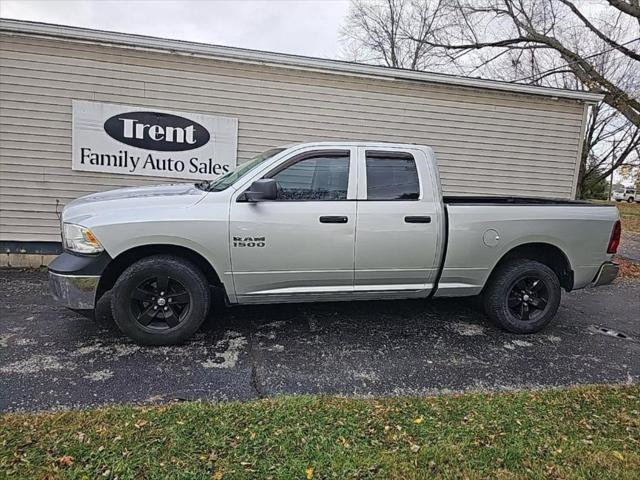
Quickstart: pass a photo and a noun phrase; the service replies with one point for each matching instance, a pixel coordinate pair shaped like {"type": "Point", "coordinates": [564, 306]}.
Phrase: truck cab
{"type": "Point", "coordinates": [342, 221]}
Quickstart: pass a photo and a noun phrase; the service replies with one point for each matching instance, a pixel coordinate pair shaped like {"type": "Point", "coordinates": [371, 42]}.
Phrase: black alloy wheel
{"type": "Point", "coordinates": [528, 298]}
{"type": "Point", "coordinates": [522, 295]}
{"type": "Point", "coordinates": [160, 300]}
{"type": "Point", "coordinates": [160, 303]}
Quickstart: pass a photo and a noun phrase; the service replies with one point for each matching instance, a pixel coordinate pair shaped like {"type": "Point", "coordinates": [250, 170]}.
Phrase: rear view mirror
{"type": "Point", "coordinates": [263, 189]}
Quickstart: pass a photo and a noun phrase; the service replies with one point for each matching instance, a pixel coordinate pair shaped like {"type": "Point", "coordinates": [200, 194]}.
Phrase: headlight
{"type": "Point", "coordinates": [80, 239]}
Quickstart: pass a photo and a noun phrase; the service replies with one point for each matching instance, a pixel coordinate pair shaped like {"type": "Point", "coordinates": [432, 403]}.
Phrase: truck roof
{"type": "Point", "coordinates": [372, 144]}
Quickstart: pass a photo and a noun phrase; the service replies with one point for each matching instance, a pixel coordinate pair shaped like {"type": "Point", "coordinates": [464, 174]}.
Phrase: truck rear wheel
{"type": "Point", "coordinates": [523, 296]}
{"type": "Point", "coordinates": [160, 300]}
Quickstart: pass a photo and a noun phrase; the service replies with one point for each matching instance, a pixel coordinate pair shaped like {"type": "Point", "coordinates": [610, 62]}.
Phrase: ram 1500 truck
{"type": "Point", "coordinates": [325, 221]}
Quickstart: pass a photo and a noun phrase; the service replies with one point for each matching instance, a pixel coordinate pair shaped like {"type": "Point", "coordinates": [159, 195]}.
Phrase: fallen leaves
{"type": "Point", "coordinates": [618, 455]}
{"type": "Point", "coordinates": [309, 473]}
{"type": "Point", "coordinates": [628, 269]}
{"type": "Point", "coordinates": [343, 441]}
{"type": "Point", "coordinates": [140, 423]}
{"type": "Point", "coordinates": [65, 461]}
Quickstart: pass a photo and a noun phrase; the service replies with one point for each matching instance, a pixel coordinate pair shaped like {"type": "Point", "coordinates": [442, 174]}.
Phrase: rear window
{"type": "Point", "coordinates": [392, 176]}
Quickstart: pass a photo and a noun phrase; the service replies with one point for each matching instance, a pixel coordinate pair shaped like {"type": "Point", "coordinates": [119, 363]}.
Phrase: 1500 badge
{"type": "Point", "coordinates": [249, 241]}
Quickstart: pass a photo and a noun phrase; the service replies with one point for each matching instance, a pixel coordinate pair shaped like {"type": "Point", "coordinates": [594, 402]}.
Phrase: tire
{"type": "Point", "coordinates": [160, 300]}
{"type": "Point", "coordinates": [523, 296]}
{"type": "Point", "coordinates": [630, 200]}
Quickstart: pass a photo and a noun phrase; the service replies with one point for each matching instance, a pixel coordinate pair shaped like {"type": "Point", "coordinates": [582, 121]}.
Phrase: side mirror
{"type": "Point", "coordinates": [263, 189]}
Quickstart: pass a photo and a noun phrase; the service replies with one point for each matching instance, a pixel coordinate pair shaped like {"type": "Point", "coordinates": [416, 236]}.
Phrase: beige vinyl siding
{"type": "Point", "coordinates": [487, 141]}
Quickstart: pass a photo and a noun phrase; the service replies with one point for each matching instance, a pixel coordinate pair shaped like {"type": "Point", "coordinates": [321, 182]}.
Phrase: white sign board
{"type": "Point", "coordinates": [145, 141]}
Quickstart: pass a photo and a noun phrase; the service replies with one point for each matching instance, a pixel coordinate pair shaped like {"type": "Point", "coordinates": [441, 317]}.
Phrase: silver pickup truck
{"type": "Point", "coordinates": [325, 221]}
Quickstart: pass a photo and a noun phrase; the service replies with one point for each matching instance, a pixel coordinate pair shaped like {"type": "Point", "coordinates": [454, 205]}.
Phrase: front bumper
{"type": "Point", "coordinates": [74, 291]}
{"type": "Point", "coordinates": [607, 273]}
{"type": "Point", "coordinates": [73, 279]}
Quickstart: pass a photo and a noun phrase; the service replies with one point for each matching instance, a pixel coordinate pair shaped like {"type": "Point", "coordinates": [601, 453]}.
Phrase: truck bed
{"type": "Point", "coordinates": [480, 231]}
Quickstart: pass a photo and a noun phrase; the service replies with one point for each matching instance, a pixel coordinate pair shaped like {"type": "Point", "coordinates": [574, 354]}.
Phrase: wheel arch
{"type": "Point", "coordinates": [121, 262]}
{"type": "Point", "coordinates": [545, 253]}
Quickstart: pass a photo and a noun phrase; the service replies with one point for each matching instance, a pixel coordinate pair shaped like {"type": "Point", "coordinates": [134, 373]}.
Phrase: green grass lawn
{"type": "Point", "coordinates": [629, 215]}
{"type": "Point", "coordinates": [591, 432]}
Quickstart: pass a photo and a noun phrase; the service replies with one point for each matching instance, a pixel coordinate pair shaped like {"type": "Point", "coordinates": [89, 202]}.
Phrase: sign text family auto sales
{"type": "Point", "coordinates": [144, 141]}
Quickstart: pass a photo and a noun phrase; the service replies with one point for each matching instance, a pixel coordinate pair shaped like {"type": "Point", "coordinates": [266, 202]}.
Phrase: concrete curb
{"type": "Point", "coordinates": [25, 260]}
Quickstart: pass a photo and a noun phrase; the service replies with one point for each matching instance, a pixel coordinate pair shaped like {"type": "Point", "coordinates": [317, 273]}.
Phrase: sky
{"type": "Point", "coordinates": [305, 27]}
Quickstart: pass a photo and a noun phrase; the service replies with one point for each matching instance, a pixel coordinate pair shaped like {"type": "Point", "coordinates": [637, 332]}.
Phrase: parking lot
{"type": "Point", "coordinates": [52, 358]}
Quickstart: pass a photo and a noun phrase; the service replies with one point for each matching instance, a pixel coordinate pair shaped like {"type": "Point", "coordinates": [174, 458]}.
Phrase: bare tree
{"type": "Point", "coordinates": [611, 140]}
{"type": "Point", "coordinates": [545, 25]}
{"type": "Point", "coordinates": [378, 32]}
{"type": "Point", "coordinates": [558, 43]}
{"type": "Point", "coordinates": [632, 7]}
{"type": "Point", "coordinates": [610, 144]}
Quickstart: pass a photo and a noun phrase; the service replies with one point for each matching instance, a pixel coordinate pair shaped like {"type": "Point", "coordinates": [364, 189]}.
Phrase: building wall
{"type": "Point", "coordinates": [487, 142]}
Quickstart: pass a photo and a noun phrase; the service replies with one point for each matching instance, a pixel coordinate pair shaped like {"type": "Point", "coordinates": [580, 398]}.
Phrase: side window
{"type": "Point", "coordinates": [392, 176]}
{"type": "Point", "coordinates": [321, 177]}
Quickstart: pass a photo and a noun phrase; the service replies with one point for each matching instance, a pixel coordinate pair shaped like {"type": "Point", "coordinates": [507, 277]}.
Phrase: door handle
{"type": "Point", "coordinates": [418, 219]}
{"type": "Point", "coordinates": [333, 219]}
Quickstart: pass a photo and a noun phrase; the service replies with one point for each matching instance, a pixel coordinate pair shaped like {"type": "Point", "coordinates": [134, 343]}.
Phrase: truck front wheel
{"type": "Point", "coordinates": [523, 296]}
{"type": "Point", "coordinates": [160, 300]}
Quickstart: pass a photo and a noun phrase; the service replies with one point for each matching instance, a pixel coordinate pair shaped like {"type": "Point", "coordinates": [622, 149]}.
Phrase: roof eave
{"type": "Point", "coordinates": [234, 54]}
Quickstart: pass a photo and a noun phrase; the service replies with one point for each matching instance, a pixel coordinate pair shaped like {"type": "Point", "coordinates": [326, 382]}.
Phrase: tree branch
{"type": "Point", "coordinates": [628, 8]}
{"type": "Point", "coordinates": [599, 34]}
{"type": "Point", "coordinates": [588, 75]}
{"type": "Point", "coordinates": [476, 46]}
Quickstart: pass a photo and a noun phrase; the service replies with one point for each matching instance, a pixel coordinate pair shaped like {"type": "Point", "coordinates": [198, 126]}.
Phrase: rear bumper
{"type": "Point", "coordinates": [74, 291]}
{"type": "Point", "coordinates": [606, 274]}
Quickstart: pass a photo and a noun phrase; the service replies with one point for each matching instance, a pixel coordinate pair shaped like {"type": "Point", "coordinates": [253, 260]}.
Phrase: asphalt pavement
{"type": "Point", "coordinates": [52, 358]}
{"type": "Point", "coordinates": [630, 246]}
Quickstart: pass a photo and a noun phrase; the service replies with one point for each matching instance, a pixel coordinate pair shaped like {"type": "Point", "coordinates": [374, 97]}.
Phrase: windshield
{"type": "Point", "coordinates": [230, 178]}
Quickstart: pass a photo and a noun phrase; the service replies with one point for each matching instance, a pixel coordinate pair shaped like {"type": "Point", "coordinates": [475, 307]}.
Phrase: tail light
{"type": "Point", "coordinates": [614, 241]}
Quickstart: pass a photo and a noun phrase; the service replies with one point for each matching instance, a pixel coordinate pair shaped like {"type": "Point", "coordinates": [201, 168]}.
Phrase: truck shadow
{"type": "Point", "coordinates": [315, 317]}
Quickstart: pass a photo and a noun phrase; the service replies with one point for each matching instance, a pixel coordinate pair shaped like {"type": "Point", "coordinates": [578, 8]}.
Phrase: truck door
{"type": "Point", "coordinates": [398, 225]}
{"type": "Point", "coordinates": [302, 243]}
